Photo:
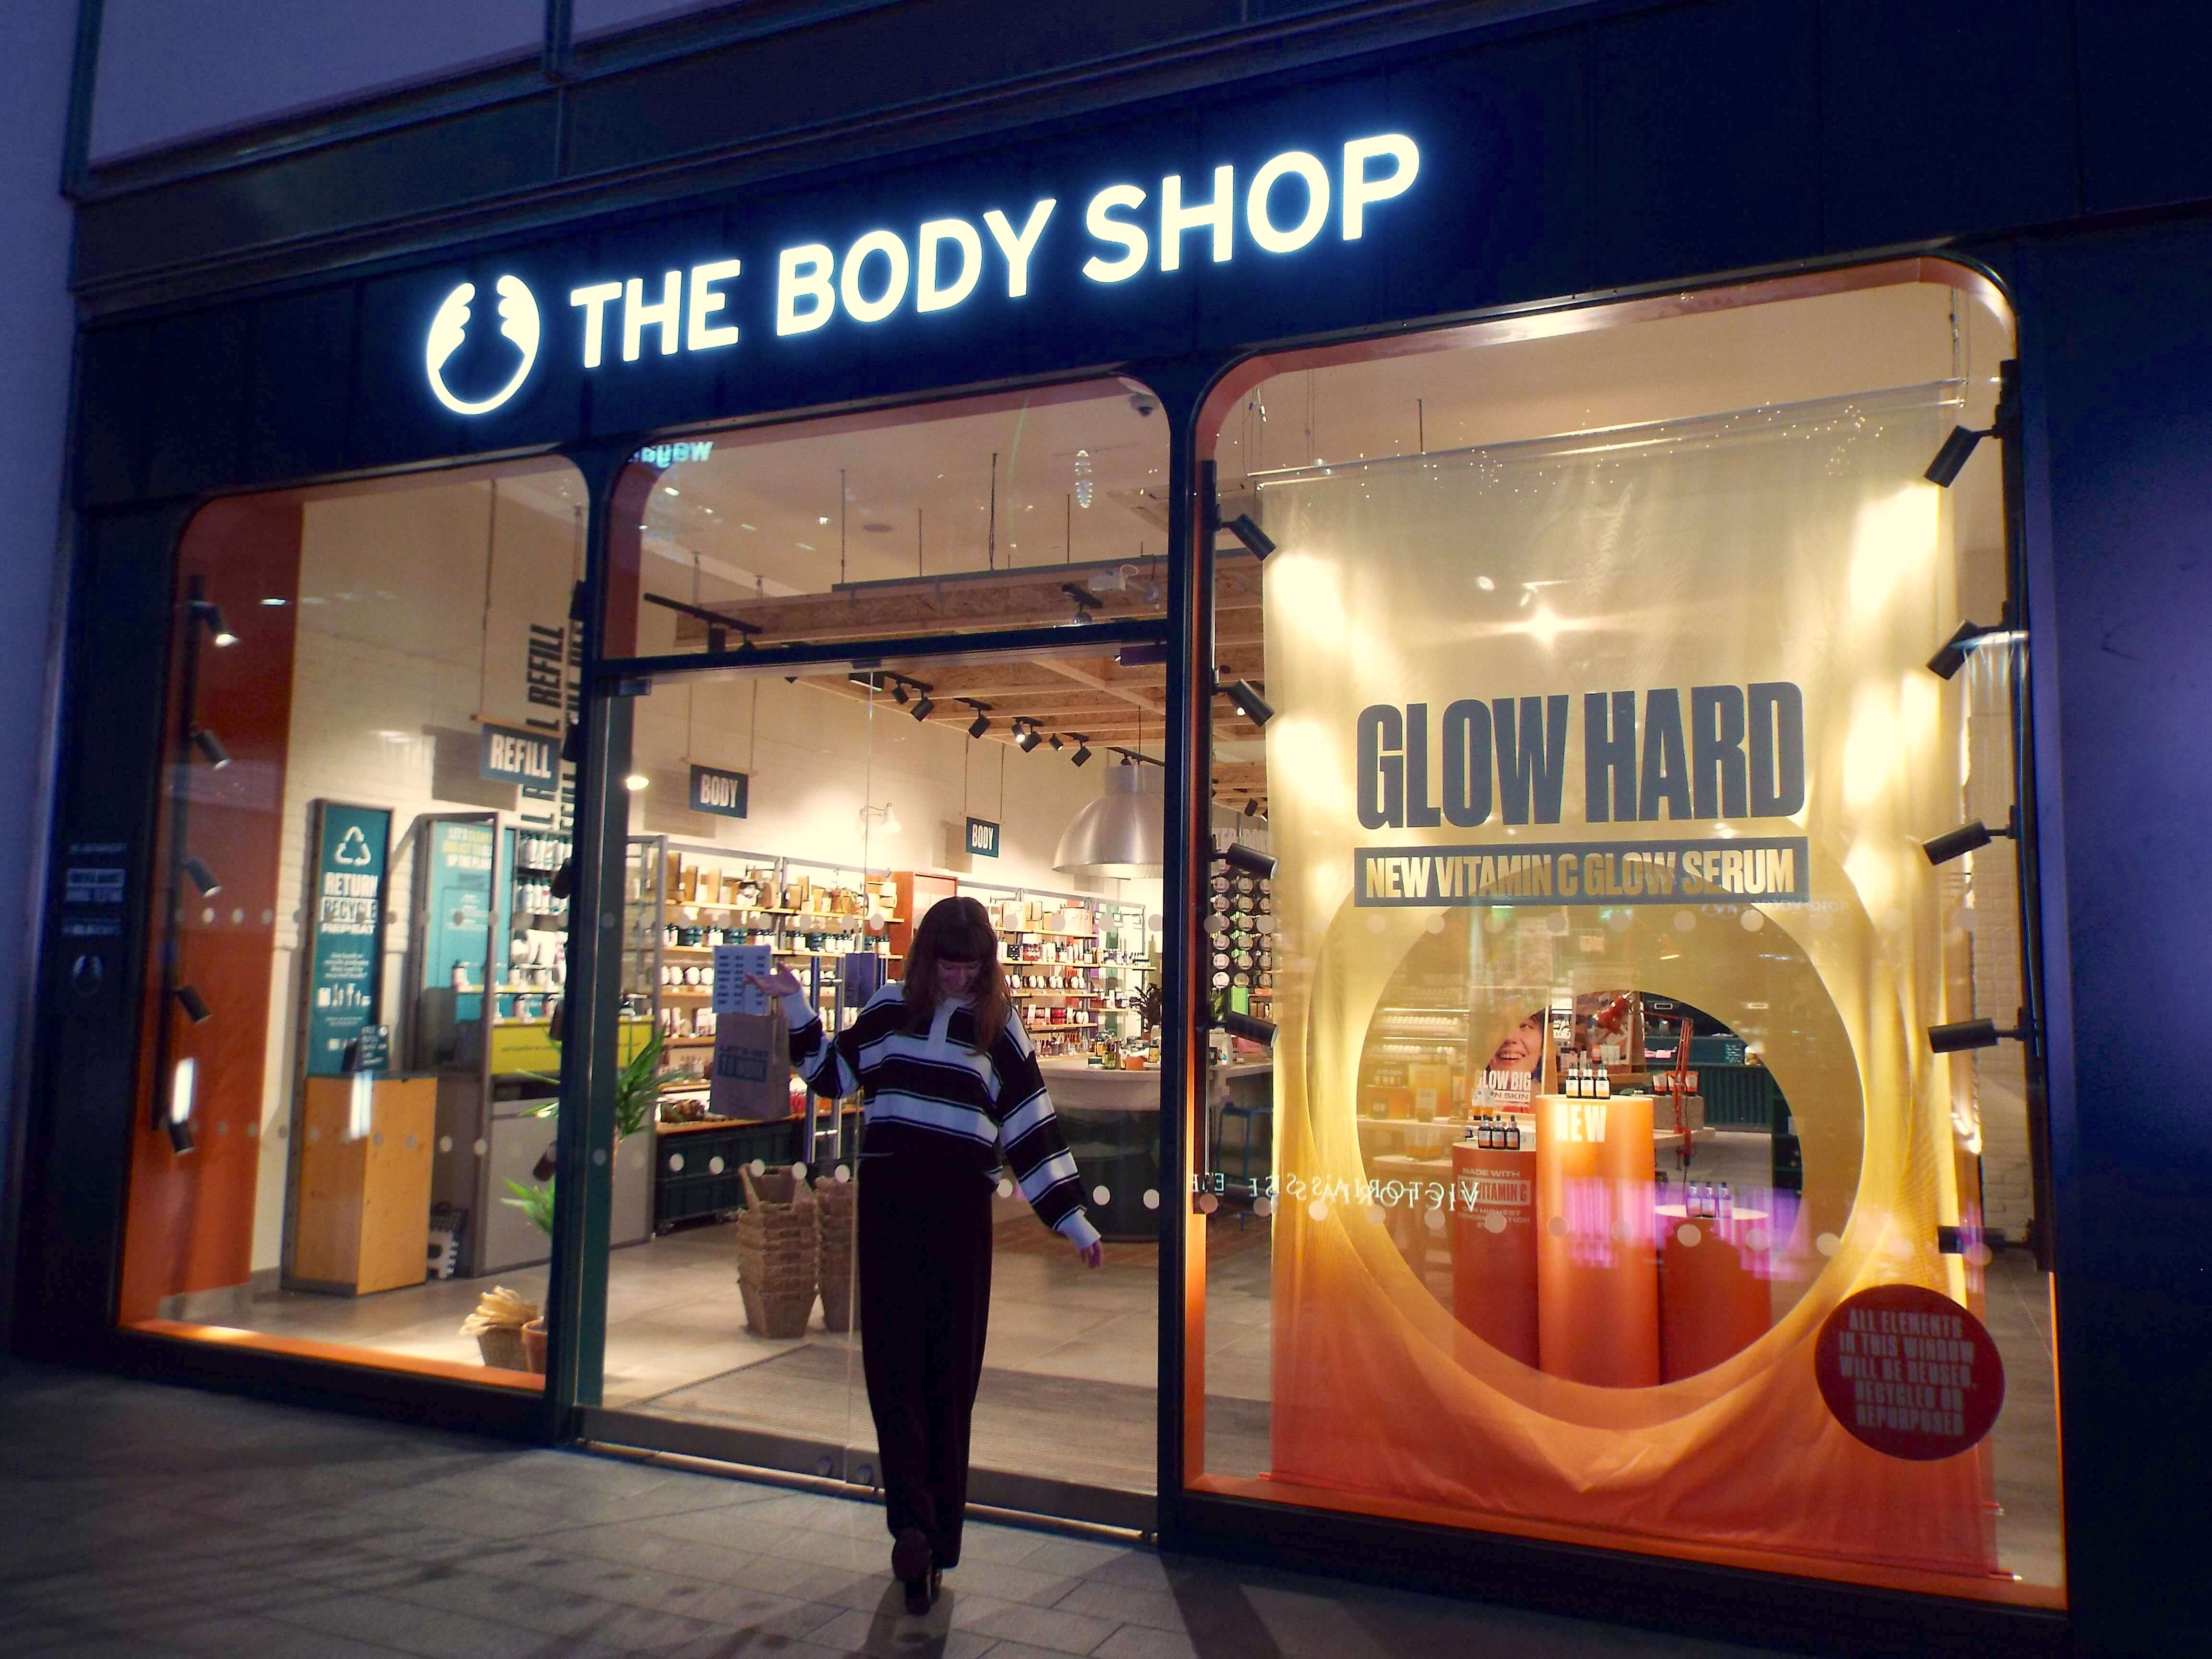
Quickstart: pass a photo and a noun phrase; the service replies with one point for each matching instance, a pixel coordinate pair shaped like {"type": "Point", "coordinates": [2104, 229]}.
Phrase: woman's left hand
{"type": "Point", "coordinates": [1092, 1255]}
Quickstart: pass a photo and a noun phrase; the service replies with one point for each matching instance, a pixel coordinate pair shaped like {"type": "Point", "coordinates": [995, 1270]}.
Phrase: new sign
{"type": "Point", "coordinates": [1124, 231]}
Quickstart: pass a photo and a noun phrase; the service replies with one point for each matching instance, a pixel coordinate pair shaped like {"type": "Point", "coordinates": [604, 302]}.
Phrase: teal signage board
{"type": "Point", "coordinates": [457, 918]}
{"type": "Point", "coordinates": [511, 754]}
{"type": "Point", "coordinates": [721, 793]}
{"type": "Point", "coordinates": [983, 838]}
{"type": "Point", "coordinates": [345, 948]}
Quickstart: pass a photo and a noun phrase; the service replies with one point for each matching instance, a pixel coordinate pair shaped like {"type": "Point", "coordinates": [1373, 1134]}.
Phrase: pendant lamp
{"type": "Point", "coordinates": [1123, 832]}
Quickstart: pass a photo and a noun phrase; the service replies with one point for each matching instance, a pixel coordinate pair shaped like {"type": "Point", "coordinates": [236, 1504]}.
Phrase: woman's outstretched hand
{"type": "Point", "coordinates": [781, 983]}
{"type": "Point", "coordinates": [1092, 1255]}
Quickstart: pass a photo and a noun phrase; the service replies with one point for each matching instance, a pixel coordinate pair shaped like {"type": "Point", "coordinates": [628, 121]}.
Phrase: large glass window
{"type": "Point", "coordinates": [360, 948]}
{"type": "Point", "coordinates": [1605, 1183]}
{"type": "Point", "coordinates": [1027, 509]}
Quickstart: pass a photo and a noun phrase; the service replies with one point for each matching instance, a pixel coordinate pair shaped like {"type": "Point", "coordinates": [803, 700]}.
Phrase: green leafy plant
{"type": "Point", "coordinates": [638, 1088]}
{"type": "Point", "coordinates": [536, 1202]}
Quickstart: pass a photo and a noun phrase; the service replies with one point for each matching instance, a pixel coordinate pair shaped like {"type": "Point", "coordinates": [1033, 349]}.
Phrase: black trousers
{"type": "Point", "coordinates": [924, 1250]}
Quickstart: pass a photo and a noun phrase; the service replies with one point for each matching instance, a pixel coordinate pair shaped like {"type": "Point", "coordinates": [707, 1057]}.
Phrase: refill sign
{"type": "Point", "coordinates": [508, 754]}
{"type": "Point", "coordinates": [347, 943]}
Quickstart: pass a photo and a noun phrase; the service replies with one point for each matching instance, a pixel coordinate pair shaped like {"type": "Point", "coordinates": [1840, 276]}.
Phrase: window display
{"type": "Point", "coordinates": [1607, 950]}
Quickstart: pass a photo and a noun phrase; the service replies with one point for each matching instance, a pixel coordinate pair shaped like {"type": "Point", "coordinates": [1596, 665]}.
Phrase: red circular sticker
{"type": "Point", "coordinates": [1910, 1372]}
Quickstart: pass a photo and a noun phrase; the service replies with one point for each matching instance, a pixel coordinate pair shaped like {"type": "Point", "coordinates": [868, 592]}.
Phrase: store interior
{"type": "Point", "coordinates": [817, 815]}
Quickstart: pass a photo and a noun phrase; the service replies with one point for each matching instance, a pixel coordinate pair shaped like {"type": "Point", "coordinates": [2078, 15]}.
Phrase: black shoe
{"type": "Point", "coordinates": [912, 1563]}
{"type": "Point", "coordinates": [921, 1594]}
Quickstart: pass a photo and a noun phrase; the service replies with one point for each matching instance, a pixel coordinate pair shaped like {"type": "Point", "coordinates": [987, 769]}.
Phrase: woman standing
{"type": "Point", "coordinates": [953, 1092]}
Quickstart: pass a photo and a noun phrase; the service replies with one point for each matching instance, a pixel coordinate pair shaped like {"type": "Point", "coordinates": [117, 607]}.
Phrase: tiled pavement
{"type": "Point", "coordinates": [144, 1520]}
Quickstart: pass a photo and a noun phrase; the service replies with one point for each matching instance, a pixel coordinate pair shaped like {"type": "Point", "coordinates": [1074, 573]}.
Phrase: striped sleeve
{"type": "Point", "coordinates": [1028, 1134]}
{"type": "Point", "coordinates": [823, 1063]}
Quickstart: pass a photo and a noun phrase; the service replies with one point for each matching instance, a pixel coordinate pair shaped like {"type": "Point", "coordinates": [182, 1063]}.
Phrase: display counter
{"type": "Point", "coordinates": [1111, 1120]}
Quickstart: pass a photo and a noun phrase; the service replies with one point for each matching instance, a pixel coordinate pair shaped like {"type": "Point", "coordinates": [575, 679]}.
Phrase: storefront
{"type": "Point", "coordinates": [1561, 983]}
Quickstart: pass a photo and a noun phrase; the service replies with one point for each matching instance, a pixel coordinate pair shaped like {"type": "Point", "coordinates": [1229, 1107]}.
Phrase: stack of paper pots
{"type": "Point", "coordinates": [779, 1253]}
{"type": "Point", "coordinates": [836, 1207]}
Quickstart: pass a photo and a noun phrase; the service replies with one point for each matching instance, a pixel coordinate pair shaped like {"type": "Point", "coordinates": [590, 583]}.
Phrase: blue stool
{"type": "Point", "coordinates": [1229, 1109]}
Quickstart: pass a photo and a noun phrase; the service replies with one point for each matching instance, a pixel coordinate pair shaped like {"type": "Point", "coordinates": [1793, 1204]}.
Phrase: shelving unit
{"type": "Point", "coordinates": [1096, 972]}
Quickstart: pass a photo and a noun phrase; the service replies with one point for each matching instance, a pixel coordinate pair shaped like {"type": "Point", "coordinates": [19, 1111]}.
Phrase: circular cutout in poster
{"type": "Point", "coordinates": [1909, 1372]}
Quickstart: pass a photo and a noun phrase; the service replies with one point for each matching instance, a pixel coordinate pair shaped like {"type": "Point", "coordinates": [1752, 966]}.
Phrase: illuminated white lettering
{"type": "Point", "coordinates": [637, 316]}
{"type": "Point", "coordinates": [1219, 214]}
{"type": "Point", "coordinates": [803, 273]}
{"type": "Point", "coordinates": [927, 295]}
{"type": "Point", "coordinates": [858, 306]}
{"type": "Point", "coordinates": [700, 335]}
{"type": "Point", "coordinates": [1359, 189]}
{"type": "Point", "coordinates": [1263, 228]}
{"type": "Point", "coordinates": [594, 299]}
{"type": "Point", "coordinates": [1136, 245]}
{"type": "Point", "coordinates": [1018, 248]}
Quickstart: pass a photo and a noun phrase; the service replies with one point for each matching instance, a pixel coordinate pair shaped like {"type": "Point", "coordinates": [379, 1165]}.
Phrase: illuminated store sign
{"type": "Point", "coordinates": [1125, 232]}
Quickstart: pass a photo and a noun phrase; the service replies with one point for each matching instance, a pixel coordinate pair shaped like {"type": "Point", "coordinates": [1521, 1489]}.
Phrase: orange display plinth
{"type": "Point", "coordinates": [1597, 1279]}
{"type": "Point", "coordinates": [1713, 1295]}
{"type": "Point", "coordinates": [1494, 1248]}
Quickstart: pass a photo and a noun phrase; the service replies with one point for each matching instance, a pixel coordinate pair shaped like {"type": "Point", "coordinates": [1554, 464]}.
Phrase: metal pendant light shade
{"type": "Point", "coordinates": [1123, 832]}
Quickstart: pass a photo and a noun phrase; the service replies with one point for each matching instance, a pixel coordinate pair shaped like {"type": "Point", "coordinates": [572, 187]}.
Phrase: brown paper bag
{"type": "Point", "coordinates": [752, 1075]}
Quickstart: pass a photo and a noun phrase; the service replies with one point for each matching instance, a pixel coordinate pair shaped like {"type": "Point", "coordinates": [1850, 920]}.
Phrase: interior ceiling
{"type": "Point", "coordinates": [956, 522]}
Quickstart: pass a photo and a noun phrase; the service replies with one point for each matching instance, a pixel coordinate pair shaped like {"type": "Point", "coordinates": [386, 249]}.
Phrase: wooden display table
{"type": "Point", "coordinates": [362, 1218]}
{"type": "Point", "coordinates": [1597, 1284]}
{"type": "Point", "coordinates": [1713, 1295]}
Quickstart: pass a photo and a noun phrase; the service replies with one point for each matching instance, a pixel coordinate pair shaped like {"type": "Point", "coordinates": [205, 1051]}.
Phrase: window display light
{"type": "Point", "coordinates": [1968, 837]}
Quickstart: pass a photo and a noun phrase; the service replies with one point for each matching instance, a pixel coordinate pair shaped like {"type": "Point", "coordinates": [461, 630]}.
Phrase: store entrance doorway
{"type": "Point", "coordinates": [807, 822]}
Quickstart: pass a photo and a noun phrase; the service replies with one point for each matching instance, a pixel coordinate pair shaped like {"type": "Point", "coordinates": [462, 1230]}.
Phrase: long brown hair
{"type": "Point", "coordinates": [957, 930]}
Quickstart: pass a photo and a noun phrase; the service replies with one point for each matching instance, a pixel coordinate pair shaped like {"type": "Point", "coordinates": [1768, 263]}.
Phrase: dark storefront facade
{"type": "Point", "coordinates": [1593, 618]}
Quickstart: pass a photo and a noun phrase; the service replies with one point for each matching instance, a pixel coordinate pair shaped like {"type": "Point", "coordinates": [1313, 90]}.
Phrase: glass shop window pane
{"type": "Point", "coordinates": [346, 1027]}
{"type": "Point", "coordinates": [1027, 510]}
{"type": "Point", "coordinates": [1604, 1183]}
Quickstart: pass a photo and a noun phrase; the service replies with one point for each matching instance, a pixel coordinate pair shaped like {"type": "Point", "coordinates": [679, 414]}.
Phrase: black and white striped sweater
{"type": "Point", "coordinates": [945, 1094]}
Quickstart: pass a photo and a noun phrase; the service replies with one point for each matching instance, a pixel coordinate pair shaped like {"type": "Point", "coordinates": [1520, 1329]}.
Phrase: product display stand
{"type": "Point", "coordinates": [1597, 1283]}
{"type": "Point", "coordinates": [1493, 1246]}
{"type": "Point", "coordinates": [1713, 1299]}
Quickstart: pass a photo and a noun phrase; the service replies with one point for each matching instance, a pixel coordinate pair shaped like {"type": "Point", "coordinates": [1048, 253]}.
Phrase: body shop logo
{"type": "Point", "coordinates": [449, 329]}
{"type": "Point", "coordinates": [1165, 230]}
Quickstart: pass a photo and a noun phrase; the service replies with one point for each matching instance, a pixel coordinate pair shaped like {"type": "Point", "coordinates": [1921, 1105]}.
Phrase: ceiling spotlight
{"type": "Point", "coordinates": [211, 746]}
{"type": "Point", "coordinates": [1026, 739]}
{"type": "Point", "coordinates": [1952, 459]}
{"type": "Point", "coordinates": [1255, 540]}
{"type": "Point", "coordinates": [208, 613]}
{"type": "Point", "coordinates": [979, 726]}
{"type": "Point", "coordinates": [1968, 837]}
{"type": "Point", "coordinates": [194, 1005]}
{"type": "Point", "coordinates": [1082, 748]}
{"type": "Point", "coordinates": [718, 638]}
{"type": "Point", "coordinates": [1251, 806]}
{"type": "Point", "coordinates": [177, 1120]}
{"type": "Point", "coordinates": [1249, 859]}
{"type": "Point", "coordinates": [1962, 1035]}
{"type": "Point", "coordinates": [1249, 1027]}
{"type": "Point", "coordinates": [898, 693]}
{"type": "Point", "coordinates": [1250, 702]}
{"type": "Point", "coordinates": [635, 781]}
{"type": "Point", "coordinates": [921, 707]}
{"type": "Point", "coordinates": [1951, 656]}
{"type": "Point", "coordinates": [202, 878]}
{"type": "Point", "coordinates": [1057, 745]}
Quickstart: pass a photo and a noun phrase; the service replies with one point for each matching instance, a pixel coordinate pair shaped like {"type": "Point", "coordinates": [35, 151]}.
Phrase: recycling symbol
{"type": "Point", "coordinates": [352, 849]}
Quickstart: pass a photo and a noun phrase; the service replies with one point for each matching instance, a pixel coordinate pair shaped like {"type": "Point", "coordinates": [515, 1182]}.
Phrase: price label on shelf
{"type": "Point", "coordinates": [734, 993]}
